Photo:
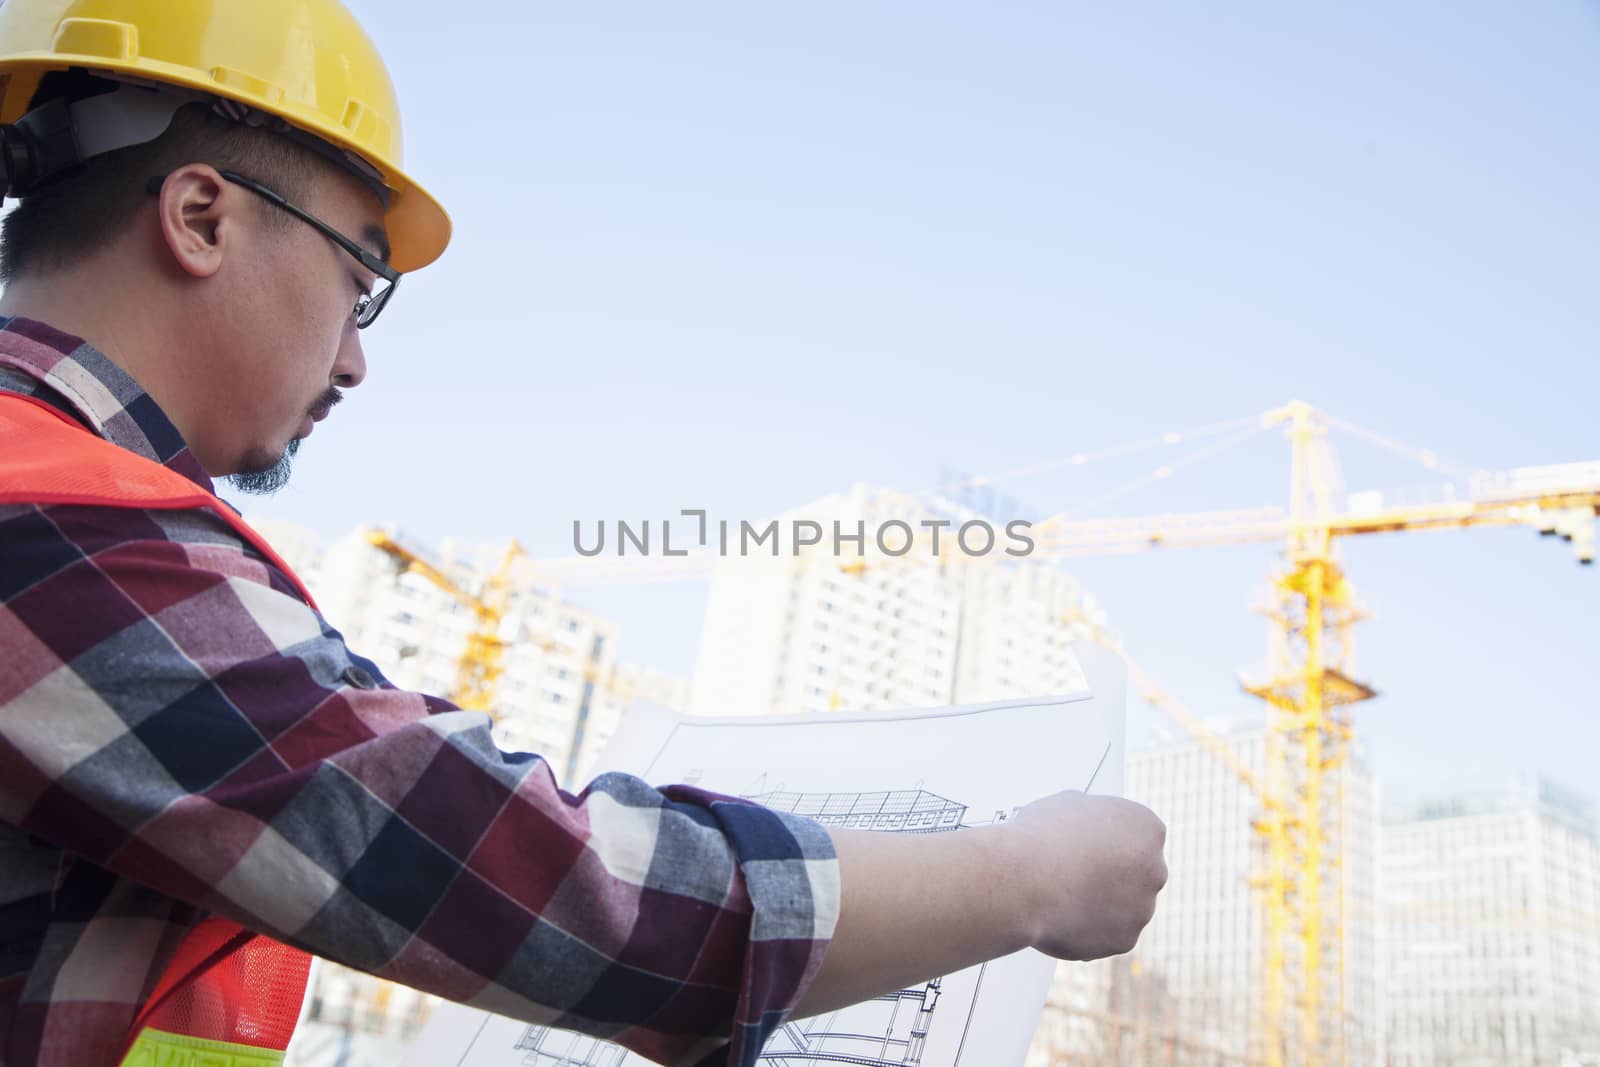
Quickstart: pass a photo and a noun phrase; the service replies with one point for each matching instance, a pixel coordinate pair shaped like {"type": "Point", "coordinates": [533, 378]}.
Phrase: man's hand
{"type": "Point", "coordinates": [1097, 866]}
{"type": "Point", "coordinates": [1073, 876]}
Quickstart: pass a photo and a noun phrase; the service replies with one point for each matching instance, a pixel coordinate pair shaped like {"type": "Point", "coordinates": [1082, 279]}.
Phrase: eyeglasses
{"type": "Point", "coordinates": [368, 305]}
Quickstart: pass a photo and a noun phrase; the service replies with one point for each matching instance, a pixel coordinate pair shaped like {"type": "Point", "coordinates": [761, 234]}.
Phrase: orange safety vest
{"type": "Point", "coordinates": [230, 997]}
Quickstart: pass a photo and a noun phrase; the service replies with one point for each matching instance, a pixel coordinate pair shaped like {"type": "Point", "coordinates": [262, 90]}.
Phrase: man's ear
{"type": "Point", "coordinates": [193, 218]}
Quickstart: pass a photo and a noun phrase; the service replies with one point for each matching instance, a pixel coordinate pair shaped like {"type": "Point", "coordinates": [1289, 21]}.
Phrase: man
{"type": "Point", "coordinates": [199, 781]}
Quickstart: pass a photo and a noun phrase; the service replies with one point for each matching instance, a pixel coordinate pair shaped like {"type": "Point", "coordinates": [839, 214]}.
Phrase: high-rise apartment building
{"type": "Point", "coordinates": [804, 633]}
{"type": "Point", "coordinates": [1491, 918]}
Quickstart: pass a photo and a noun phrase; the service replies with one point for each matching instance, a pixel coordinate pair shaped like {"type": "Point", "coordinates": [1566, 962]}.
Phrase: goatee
{"type": "Point", "coordinates": [268, 480]}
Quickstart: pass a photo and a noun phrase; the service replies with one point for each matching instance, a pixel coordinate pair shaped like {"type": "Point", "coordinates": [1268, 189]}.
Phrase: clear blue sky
{"type": "Point", "coordinates": [740, 256]}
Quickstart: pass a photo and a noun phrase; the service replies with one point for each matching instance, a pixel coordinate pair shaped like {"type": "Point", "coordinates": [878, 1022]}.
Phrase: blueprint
{"type": "Point", "coordinates": [939, 770]}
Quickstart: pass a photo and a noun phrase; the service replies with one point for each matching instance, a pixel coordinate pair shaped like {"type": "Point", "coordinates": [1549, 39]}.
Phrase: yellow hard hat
{"type": "Point", "coordinates": [307, 62]}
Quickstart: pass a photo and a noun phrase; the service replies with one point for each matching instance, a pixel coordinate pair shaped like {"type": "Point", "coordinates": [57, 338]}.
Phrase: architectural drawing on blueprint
{"type": "Point", "coordinates": [891, 1030]}
{"type": "Point", "coordinates": [563, 1048]}
{"type": "Point", "coordinates": [905, 811]}
{"type": "Point", "coordinates": [885, 1030]}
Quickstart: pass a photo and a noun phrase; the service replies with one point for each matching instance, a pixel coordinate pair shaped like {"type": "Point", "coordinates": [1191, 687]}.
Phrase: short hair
{"type": "Point", "coordinates": [76, 215]}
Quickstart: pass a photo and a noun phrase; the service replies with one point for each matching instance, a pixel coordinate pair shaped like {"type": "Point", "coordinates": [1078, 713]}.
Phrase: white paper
{"type": "Point", "coordinates": [936, 770]}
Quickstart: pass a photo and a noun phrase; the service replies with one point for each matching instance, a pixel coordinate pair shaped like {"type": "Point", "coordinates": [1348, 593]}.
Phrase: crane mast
{"type": "Point", "coordinates": [1312, 612]}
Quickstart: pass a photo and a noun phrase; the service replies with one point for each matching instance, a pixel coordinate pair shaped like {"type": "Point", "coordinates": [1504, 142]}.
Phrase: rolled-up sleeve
{"type": "Point", "coordinates": [178, 716]}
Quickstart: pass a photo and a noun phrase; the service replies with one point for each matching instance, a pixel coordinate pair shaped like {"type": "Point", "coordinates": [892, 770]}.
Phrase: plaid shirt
{"type": "Point", "coordinates": [181, 734]}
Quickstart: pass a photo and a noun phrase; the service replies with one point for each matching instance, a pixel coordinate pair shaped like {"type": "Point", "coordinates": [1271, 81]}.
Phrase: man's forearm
{"type": "Point", "coordinates": [914, 906]}
{"type": "Point", "coordinates": [1074, 876]}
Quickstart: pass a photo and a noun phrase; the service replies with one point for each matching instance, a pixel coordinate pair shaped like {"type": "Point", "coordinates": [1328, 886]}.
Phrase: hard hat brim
{"type": "Point", "coordinates": [419, 228]}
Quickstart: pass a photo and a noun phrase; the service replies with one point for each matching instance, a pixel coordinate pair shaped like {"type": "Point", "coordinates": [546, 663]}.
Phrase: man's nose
{"type": "Point", "coordinates": [350, 368]}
